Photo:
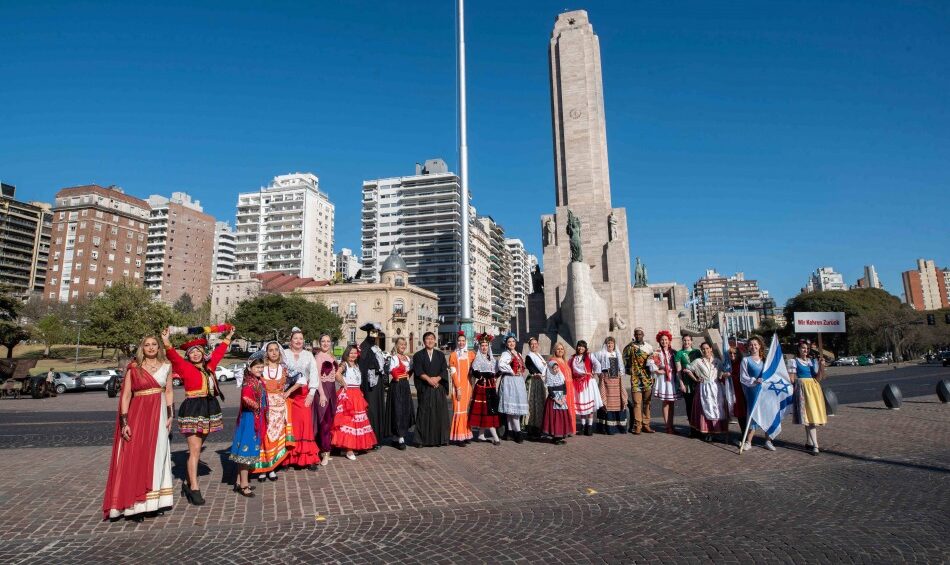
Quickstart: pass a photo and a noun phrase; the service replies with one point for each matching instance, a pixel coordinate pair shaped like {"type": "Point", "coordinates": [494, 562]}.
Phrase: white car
{"type": "Point", "coordinates": [224, 374]}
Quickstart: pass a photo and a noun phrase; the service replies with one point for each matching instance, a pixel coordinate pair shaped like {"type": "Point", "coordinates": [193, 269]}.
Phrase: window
{"type": "Point", "coordinates": [79, 253]}
{"type": "Point", "coordinates": [53, 281]}
{"type": "Point", "coordinates": [109, 270]}
{"type": "Point", "coordinates": [112, 257]}
{"type": "Point", "coordinates": [352, 335]}
{"type": "Point", "coordinates": [138, 262]}
{"type": "Point", "coordinates": [97, 226]}
{"type": "Point", "coordinates": [335, 308]}
{"type": "Point", "coordinates": [93, 267]}
{"type": "Point", "coordinates": [128, 261]}
{"type": "Point", "coordinates": [351, 309]}
{"type": "Point", "coordinates": [92, 280]}
{"type": "Point", "coordinates": [399, 307]}
{"type": "Point", "coordinates": [82, 239]}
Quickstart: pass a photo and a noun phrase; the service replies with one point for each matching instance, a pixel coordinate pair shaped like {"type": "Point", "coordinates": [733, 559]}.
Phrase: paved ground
{"type": "Point", "coordinates": [879, 493]}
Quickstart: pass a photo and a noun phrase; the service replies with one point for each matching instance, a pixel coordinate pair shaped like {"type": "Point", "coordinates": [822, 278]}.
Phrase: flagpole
{"type": "Point", "coordinates": [466, 322]}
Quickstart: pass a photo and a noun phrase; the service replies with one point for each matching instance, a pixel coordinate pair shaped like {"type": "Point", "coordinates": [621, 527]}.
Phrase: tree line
{"type": "Point", "coordinates": [121, 315]}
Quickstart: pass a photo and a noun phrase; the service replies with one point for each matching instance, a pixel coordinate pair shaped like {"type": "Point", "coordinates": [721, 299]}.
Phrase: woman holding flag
{"type": "Point", "coordinates": [750, 375]}
{"type": "Point", "coordinates": [805, 372]}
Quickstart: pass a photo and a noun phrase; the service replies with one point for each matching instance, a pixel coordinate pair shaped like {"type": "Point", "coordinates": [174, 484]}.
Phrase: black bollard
{"type": "Point", "coordinates": [831, 402]}
{"type": "Point", "coordinates": [943, 391]}
{"type": "Point", "coordinates": [892, 397]}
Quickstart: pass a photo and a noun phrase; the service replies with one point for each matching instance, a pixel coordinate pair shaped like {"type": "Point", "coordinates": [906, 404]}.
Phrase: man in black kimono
{"type": "Point", "coordinates": [430, 371]}
{"type": "Point", "coordinates": [373, 384]}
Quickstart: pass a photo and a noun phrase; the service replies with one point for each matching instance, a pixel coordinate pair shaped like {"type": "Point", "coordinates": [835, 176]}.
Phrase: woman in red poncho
{"type": "Point", "coordinates": [140, 474]}
{"type": "Point", "coordinates": [200, 413]}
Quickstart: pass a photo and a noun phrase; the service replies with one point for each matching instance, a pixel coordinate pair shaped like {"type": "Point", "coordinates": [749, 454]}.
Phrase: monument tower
{"type": "Point", "coordinates": [587, 290]}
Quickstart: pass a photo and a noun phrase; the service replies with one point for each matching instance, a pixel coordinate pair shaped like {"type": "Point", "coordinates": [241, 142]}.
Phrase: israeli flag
{"type": "Point", "coordinates": [775, 393]}
{"type": "Point", "coordinates": [726, 361]}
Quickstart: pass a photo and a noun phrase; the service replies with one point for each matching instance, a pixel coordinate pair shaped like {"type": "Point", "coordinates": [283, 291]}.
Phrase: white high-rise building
{"type": "Point", "coordinates": [347, 264]}
{"type": "Point", "coordinates": [521, 269]}
{"type": "Point", "coordinates": [420, 216]}
{"type": "Point", "coordinates": [825, 278]}
{"type": "Point", "coordinates": [224, 246]}
{"type": "Point", "coordinates": [286, 226]}
{"type": "Point", "coordinates": [870, 278]}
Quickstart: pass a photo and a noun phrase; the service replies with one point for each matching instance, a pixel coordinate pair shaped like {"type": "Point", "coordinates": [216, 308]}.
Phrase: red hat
{"type": "Point", "coordinates": [461, 333]}
{"type": "Point", "coordinates": [664, 333]}
{"type": "Point", "coordinates": [200, 342]}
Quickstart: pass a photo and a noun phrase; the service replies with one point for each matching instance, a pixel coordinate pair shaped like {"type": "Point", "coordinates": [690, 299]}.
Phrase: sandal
{"type": "Point", "coordinates": [244, 491]}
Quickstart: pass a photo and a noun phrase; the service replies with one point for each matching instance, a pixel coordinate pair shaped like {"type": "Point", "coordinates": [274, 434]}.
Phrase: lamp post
{"type": "Point", "coordinates": [466, 321]}
{"type": "Point", "coordinates": [78, 335]}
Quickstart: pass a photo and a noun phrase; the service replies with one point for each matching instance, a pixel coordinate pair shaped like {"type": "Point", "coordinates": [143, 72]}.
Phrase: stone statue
{"type": "Point", "coordinates": [537, 279]}
{"type": "Point", "coordinates": [619, 323]}
{"type": "Point", "coordinates": [574, 232]}
{"type": "Point", "coordinates": [640, 275]}
{"type": "Point", "coordinates": [612, 227]}
{"type": "Point", "coordinates": [549, 231]}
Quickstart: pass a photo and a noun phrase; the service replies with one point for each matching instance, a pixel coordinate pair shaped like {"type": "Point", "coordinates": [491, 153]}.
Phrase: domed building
{"type": "Point", "coordinates": [403, 310]}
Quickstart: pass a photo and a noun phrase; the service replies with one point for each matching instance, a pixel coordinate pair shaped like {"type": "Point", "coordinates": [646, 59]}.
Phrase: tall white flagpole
{"type": "Point", "coordinates": [466, 279]}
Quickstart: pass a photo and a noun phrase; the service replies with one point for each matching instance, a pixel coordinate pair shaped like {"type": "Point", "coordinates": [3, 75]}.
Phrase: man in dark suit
{"type": "Point", "coordinates": [431, 375]}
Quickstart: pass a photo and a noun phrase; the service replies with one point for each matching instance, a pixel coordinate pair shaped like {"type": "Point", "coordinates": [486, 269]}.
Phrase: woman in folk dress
{"type": "Point", "coordinates": [351, 428]}
{"type": "Point", "coordinates": [537, 393]}
{"type": "Point", "coordinates": [398, 365]}
{"type": "Point", "coordinates": [140, 471]}
{"type": "Point", "coordinates": [483, 413]}
{"type": "Point", "coordinates": [460, 368]}
{"type": "Point", "coordinates": [665, 387]}
{"type": "Point", "coordinates": [713, 398]}
{"type": "Point", "coordinates": [279, 439]}
{"type": "Point", "coordinates": [805, 373]}
{"type": "Point", "coordinates": [512, 394]}
{"type": "Point", "coordinates": [587, 401]}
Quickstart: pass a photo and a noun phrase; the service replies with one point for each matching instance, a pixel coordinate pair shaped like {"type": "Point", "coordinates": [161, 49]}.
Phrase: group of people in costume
{"type": "Point", "coordinates": [296, 406]}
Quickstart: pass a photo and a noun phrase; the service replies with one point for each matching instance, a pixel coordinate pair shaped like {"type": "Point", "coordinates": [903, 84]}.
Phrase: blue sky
{"type": "Point", "coordinates": [768, 137]}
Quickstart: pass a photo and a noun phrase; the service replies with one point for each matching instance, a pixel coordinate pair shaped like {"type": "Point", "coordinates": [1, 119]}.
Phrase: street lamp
{"type": "Point", "coordinates": [78, 335]}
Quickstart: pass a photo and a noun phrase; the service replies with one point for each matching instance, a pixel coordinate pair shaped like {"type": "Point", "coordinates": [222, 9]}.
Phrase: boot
{"type": "Point", "coordinates": [519, 437]}
{"type": "Point", "coordinates": [587, 430]}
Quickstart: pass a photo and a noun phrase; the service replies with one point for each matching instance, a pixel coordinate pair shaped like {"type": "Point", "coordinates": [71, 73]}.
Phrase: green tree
{"type": "Point", "coordinates": [11, 331]}
{"type": "Point", "coordinates": [123, 315]}
{"type": "Point", "coordinates": [273, 315]}
{"type": "Point", "coordinates": [51, 330]}
{"type": "Point", "coordinates": [184, 304]}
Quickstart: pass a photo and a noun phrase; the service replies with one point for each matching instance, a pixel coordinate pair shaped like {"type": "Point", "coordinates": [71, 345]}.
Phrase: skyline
{"type": "Point", "coordinates": [810, 100]}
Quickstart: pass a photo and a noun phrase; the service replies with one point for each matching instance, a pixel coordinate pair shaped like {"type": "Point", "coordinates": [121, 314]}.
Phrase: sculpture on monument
{"type": "Point", "coordinates": [537, 279]}
{"type": "Point", "coordinates": [574, 232]}
{"type": "Point", "coordinates": [640, 275]}
{"type": "Point", "coordinates": [612, 234]}
{"type": "Point", "coordinates": [549, 232]}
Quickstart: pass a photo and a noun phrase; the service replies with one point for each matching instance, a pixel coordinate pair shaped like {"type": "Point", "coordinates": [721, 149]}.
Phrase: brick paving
{"type": "Point", "coordinates": [879, 493]}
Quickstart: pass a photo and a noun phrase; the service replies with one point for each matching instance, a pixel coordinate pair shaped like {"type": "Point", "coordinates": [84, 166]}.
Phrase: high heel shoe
{"type": "Point", "coordinates": [186, 491]}
{"type": "Point", "coordinates": [196, 498]}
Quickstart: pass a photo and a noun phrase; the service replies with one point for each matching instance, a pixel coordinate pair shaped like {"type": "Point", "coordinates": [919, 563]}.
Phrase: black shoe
{"type": "Point", "coordinates": [495, 441]}
{"type": "Point", "coordinates": [313, 467]}
{"type": "Point", "coordinates": [186, 491]}
{"type": "Point", "coordinates": [519, 437]}
{"type": "Point", "coordinates": [271, 476]}
{"type": "Point", "coordinates": [587, 430]}
{"type": "Point", "coordinates": [401, 446]}
{"type": "Point", "coordinates": [137, 518]}
{"type": "Point", "coordinates": [196, 498]}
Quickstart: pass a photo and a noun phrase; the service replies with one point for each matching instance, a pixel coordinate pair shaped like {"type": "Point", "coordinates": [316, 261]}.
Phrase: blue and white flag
{"type": "Point", "coordinates": [726, 361]}
{"type": "Point", "coordinates": [775, 392]}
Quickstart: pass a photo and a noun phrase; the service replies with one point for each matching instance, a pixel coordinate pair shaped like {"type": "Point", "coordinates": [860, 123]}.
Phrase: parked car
{"type": "Point", "coordinates": [224, 374]}
{"type": "Point", "coordinates": [64, 381]}
{"type": "Point", "coordinates": [945, 358]}
{"type": "Point", "coordinates": [96, 378]}
{"type": "Point", "coordinates": [866, 360]}
{"type": "Point", "coordinates": [885, 358]}
{"type": "Point", "coordinates": [253, 347]}
{"type": "Point", "coordinates": [846, 362]}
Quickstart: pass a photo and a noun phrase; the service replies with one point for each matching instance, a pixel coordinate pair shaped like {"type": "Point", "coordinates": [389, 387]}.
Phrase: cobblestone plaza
{"type": "Point", "coordinates": [878, 493]}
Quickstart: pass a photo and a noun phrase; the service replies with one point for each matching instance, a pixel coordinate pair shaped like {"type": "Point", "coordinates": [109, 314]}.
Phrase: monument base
{"type": "Point", "coordinates": [583, 309]}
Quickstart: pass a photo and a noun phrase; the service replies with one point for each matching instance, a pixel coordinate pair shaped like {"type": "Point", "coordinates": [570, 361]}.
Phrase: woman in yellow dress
{"type": "Point", "coordinates": [805, 373]}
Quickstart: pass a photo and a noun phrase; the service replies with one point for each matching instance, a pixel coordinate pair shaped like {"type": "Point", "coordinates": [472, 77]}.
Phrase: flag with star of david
{"type": "Point", "coordinates": [775, 392]}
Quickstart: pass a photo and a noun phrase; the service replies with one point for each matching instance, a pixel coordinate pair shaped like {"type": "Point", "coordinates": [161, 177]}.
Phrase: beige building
{"type": "Point", "coordinates": [226, 294]}
{"type": "Point", "coordinates": [179, 256]}
{"type": "Point", "coordinates": [25, 229]}
{"type": "Point", "coordinates": [401, 309]}
{"type": "Point", "coordinates": [98, 238]}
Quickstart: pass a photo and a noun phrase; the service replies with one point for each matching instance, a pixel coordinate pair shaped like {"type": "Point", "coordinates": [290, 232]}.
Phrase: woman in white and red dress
{"type": "Point", "coordinates": [279, 440]}
{"type": "Point", "coordinates": [303, 367]}
{"type": "Point", "coordinates": [140, 472]}
{"type": "Point", "coordinates": [666, 388]}
{"type": "Point", "coordinates": [587, 400]}
{"type": "Point", "coordinates": [351, 428]}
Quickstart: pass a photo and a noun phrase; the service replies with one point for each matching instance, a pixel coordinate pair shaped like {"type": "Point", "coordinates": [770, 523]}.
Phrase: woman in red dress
{"type": "Point", "coordinates": [140, 472]}
{"type": "Point", "coordinates": [200, 413]}
{"type": "Point", "coordinates": [302, 366]}
{"type": "Point", "coordinates": [351, 428]}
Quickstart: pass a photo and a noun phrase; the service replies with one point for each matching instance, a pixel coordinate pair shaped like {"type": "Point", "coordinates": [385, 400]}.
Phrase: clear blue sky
{"type": "Point", "coordinates": [768, 137]}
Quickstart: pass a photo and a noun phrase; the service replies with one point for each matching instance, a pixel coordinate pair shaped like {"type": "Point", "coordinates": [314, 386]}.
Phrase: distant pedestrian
{"type": "Point", "coordinates": [351, 428]}
{"type": "Point", "coordinates": [750, 374]}
{"type": "Point", "coordinates": [512, 394]}
{"type": "Point", "coordinates": [665, 385]}
{"type": "Point", "coordinates": [584, 368]}
{"type": "Point", "coordinates": [483, 413]}
{"type": "Point", "coordinates": [200, 413]}
{"type": "Point", "coordinates": [430, 371]}
{"type": "Point", "coordinates": [635, 357]}
{"type": "Point", "coordinates": [805, 373]}
{"type": "Point", "coordinates": [612, 416]}
{"type": "Point", "coordinates": [140, 472]}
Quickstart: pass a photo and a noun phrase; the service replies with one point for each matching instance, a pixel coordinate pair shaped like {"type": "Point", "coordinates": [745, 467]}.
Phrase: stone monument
{"type": "Point", "coordinates": [587, 284]}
